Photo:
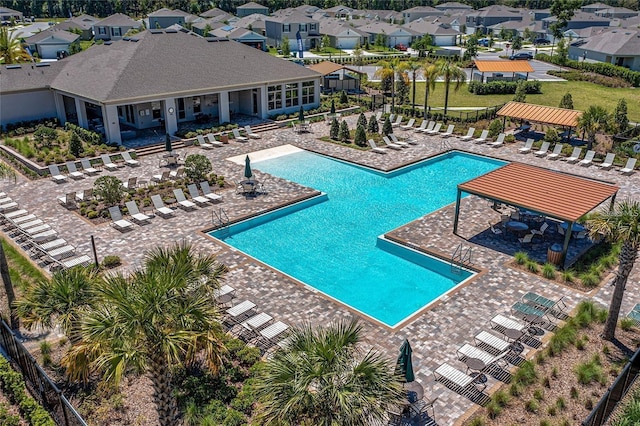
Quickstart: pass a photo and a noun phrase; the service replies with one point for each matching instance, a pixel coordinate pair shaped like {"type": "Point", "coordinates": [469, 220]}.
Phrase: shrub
{"type": "Point", "coordinates": [501, 398]}
{"type": "Point", "coordinates": [387, 129]}
{"type": "Point", "coordinates": [551, 136]}
{"type": "Point", "coordinates": [532, 266]}
{"type": "Point", "coordinates": [589, 280]}
{"type": "Point", "coordinates": [477, 421]}
{"type": "Point", "coordinates": [360, 138]}
{"type": "Point", "coordinates": [504, 87]}
{"type": "Point", "coordinates": [111, 261]}
{"type": "Point", "coordinates": [75, 145]}
{"type": "Point", "coordinates": [552, 411]}
{"type": "Point", "coordinates": [564, 336]}
{"type": "Point", "coordinates": [515, 389]}
{"type": "Point", "coordinates": [549, 271]}
{"type": "Point", "coordinates": [590, 77]}
{"type": "Point", "coordinates": [45, 136]}
{"type": "Point", "coordinates": [538, 394]}
{"type": "Point", "coordinates": [574, 393]}
{"type": "Point", "coordinates": [110, 189]}
{"type": "Point", "coordinates": [521, 257]}
{"type": "Point", "coordinates": [567, 101]}
{"type": "Point", "coordinates": [590, 371]}
{"type": "Point", "coordinates": [493, 410]}
{"type": "Point", "coordinates": [197, 167]}
{"type": "Point", "coordinates": [532, 406]}
{"type": "Point", "coordinates": [526, 374]}
{"type": "Point", "coordinates": [567, 276]}
{"type": "Point", "coordinates": [495, 128]}
{"type": "Point", "coordinates": [627, 324]}
{"type": "Point", "coordinates": [373, 125]}
{"type": "Point", "coordinates": [520, 94]}
{"type": "Point", "coordinates": [344, 131]}
{"type": "Point", "coordinates": [561, 403]}
{"type": "Point", "coordinates": [334, 132]}
{"type": "Point", "coordinates": [602, 68]}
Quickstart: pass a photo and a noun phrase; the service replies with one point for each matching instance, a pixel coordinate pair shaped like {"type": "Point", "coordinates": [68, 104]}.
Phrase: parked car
{"type": "Point", "coordinates": [484, 42]}
{"type": "Point", "coordinates": [541, 40]}
{"type": "Point", "coordinates": [521, 56]}
{"type": "Point", "coordinates": [401, 47]}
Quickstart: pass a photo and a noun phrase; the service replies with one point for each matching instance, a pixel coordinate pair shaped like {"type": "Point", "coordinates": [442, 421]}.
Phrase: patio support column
{"type": "Point", "coordinates": [457, 213]}
{"type": "Point", "coordinates": [111, 124]}
{"type": "Point", "coordinates": [565, 246]}
{"type": "Point", "coordinates": [264, 112]}
{"type": "Point", "coordinates": [316, 93]}
{"type": "Point", "coordinates": [60, 111]}
{"type": "Point", "coordinates": [170, 116]}
{"type": "Point", "coordinates": [223, 107]}
{"type": "Point", "coordinates": [82, 113]}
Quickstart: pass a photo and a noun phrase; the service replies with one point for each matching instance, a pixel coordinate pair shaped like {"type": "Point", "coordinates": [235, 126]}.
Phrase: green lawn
{"type": "Point", "coordinates": [583, 93]}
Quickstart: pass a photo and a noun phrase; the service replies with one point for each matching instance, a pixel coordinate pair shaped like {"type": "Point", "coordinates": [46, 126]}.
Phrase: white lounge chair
{"type": "Point", "coordinates": [135, 214]}
{"type": "Point", "coordinates": [237, 136]}
{"type": "Point", "coordinates": [206, 190]}
{"type": "Point", "coordinates": [628, 168]}
{"type": "Point", "coordinates": [131, 183]}
{"type": "Point", "coordinates": [213, 142]}
{"type": "Point", "coordinates": [68, 200]}
{"type": "Point", "coordinates": [195, 195]}
{"type": "Point", "coordinates": [176, 174]}
{"type": "Point", "coordinates": [405, 143]}
{"type": "Point", "coordinates": [409, 124]}
{"type": "Point", "coordinates": [397, 122]}
{"type": "Point", "coordinates": [469, 134]}
{"type": "Point", "coordinates": [491, 342]}
{"type": "Point", "coordinates": [502, 323]}
{"type": "Point", "coordinates": [527, 147]}
{"type": "Point", "coordinates": [86, 166]}
{"type": "Point", "coordinates": [389, 144]}
{"type": "Point", "coordinates": [182, 200]}
{"type": "Point", "coordinates": [435, 130]}
{"type": "Point", "coordinates": [118, 222]}
{"type": "Point", "coordinates": [73, 171]}
{"type": "Point", "coordinates": [423, 126]}
{"type": "Point", "coordinates": [459, 381]}
{"type": "Point", "coordinates": [557, 150]}
{"type": "Point", "coordinates": [543, 149]}
{"type": "Point", "coordinates": [251, 133]}
{"type": "Point", "coordinates": [394, 140]}
{"type": "Point", "coordinates": [482, 138]}
{"type": "Point", "coordinates": [375, 147]}
{"type": "Point", "coordinates": [128, 160]}
{"type": "Point", "coordinates": [55, 174]}
{"type": "Point", "coordinates": [499, 141]}
{"type": "Point", "coordinates": [202, 143]}
{"type": "Point", "coordinates": [608, 161]}
{"type": "Point", "coordinates": [158, 204]}
{"type": "Point", "coordinates": [161, 177]}
{"type": "Point", "coordinates": [468, 351]}
{"type": "Point", "coordinates": [108, 163]}
{"type": "Point", "coordinates": [575, 155]}
{"type": "Point", "coordinates": [448, 132]}
{"type": "Point", "coordinates": [588, 158]}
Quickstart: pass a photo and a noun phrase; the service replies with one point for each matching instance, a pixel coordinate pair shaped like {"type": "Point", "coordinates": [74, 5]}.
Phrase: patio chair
{"type": "Point", "coordinates": [224, 294]}
{"type": "Point", "coordinates": [182, 200]}
{"type": "Point", "coordinates": [496, 231]}
{"type": "Point", "coordinates": [86, 167]}
{"type": "Point", "coordinates": [196, 197]}
{"type": "Point", "coordinates": [409, 124]}
{"type": "Point", "coordinates": [608, 161]}
{"type": "Point", "coordinates": [425, 127]}
{"type": "Point", "coordinates": [544, 149]}
{"type": "Point", "coordinates": [397, 122]}
{"type": "Point", "coordinates": [628, 168]}
{"type": "Point", "coordinates": [482, 138]}
{"type": "Point", "coordinates": [435, 130]}
{"type": "Point", "coordinates": [499, 141]}
{"type": "Point", "coordinates": [135, 214]}
{"type": "Point", "coordinates": [394, 140]}
{"type": "Point", "coordinates": [176, 174]}
{"type": "Point", "coordinates": [527, 147]}
{"type": "Point", "coordinates": [375, 147]}
{"type": "Point", "coordinates": [469, 351]}
{"type": "Point", "coordinates": [68, 200]}
{"type": "Point", "coordinates": [527, 239]}
{"type": "Point", "coordinates": [206, 190]}
{"type": "Point", "coordinates": [459, 381]}
{"type": "Point", "coordinates": [117, 221]}
{"type": "Point", "coordinates": [212, 142]}
{"type": "Point", "coordinates": [271, 335]}
{"type": "Point", "coordinates": [469, 134]}
{"type": "Point", "coordinates": [237, 136]}
{"type": "Point", "coordinates": [251, 133]}
{"type": "Point", "coordinates": [560, 229]}
{"type": "Point", "coordinates": [161, 177]}
{"type": "Point", "coordinates": [378, 115]}
{"type": "Point", "coordinates": [540, 232]}
{"type": "Point", "coordinates": [449, 132]}
{"type": "Point", "coordinates": [202, 143]}
{"type": "Point", "coordinates": [73, 171]}
{"type": "Point", "coordinates": [131, 183]}
{"type": "Point", "coordinates": [107, 163]}
{"type": "Point", "coordinates": [556, 307]}
{"type": "Point", "coordinates": [588, 158]}
{"type": "Point", "coordinates": [128, 160]}
{"type": "Point", "coordinates": [575, 155]}
{"type": "Point", "coordinates": [55, 174]}
{"type": "Point", "coordinates": [162, 210]}
{"type": "Point", "coordinates": [491, 342]}
{"type": "Point", "coordinates": [390, 144]}
{"type": "Point", "coordinates": [557, 150]}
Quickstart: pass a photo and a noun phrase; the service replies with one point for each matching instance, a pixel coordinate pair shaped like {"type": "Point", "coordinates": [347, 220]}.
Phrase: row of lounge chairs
{"type": "Point", "coordinates": [211, 141]}
{"type": "Point", "coordinates": [37, 238]}
{"type": "Point", "coordinates": [87, 168]}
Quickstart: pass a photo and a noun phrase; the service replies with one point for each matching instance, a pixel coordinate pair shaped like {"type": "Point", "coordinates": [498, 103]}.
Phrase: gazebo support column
{"type": "Point", "coordinates": [613, 202]}
{"type": "Point", "coordinates": [457, 213]}
{"type": "Point", "coordinates": [565, 246]}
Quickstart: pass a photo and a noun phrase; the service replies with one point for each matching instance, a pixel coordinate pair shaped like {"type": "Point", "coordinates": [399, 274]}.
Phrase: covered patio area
{"type": "Point", "coordinates": [550, 195]}
{"type": "Point", "coordinates": [528, 113]}
{"type": "Point", "coordinates": [518, 70]}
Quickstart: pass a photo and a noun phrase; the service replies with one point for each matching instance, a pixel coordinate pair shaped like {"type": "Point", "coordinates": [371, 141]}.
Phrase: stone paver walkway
{"type": "Point", "coordinates": [435, 334]}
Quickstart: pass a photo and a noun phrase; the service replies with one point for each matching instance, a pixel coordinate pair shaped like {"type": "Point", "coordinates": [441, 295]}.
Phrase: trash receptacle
{"type": "Point", "coordinates": [554, 254]}
{"type": "Point", "coordinates": [224, 138]}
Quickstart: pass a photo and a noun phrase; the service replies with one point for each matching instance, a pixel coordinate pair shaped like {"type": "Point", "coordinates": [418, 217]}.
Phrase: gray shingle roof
{"type": "Point", "coordinates": [52, 32]}
{"type": "Point", "coordinates": [28, 76]}
{"type": "Point", "coordinates": [252, 5]}
{"type": "Point", "coordinates": [168, 64]}
{"type": "Point", "coordinates": [615, 42]}
{"type": "Point", "coordinates": [168, 12]}
{"type": "Point", "coordinates": [117, 20]}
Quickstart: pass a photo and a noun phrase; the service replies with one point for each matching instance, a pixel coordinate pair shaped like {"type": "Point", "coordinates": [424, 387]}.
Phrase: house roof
{"type": "Point", "coordinates": [52, 33]}
{"type": "Point", "coordinates": [117, 20]}
{"type": "Point", "coordinates": [7, 11]}
{"type": "Point", "coordinates": [159, 63]}
{"type": "Point", "coordinates": [503, 66]}
{"type": "Point", "coordinates": [496, 11]}
{"type": "Point", "coordinates": [581, 17]}
{"type": "Point", "coordinates": [336, 28]}
{"type": "Point", "coordinates": [386, 28]}
{"type": "Point", "coordinates": [252, 5]}
{"type": "Point", "coordinates": [595, 6]}
{"type": "Point", "coordinates": [237, 34]}
{"type": "Point", "coordinates": [168, 12]}
{"type": "Point", "coordinates": [84, 22]}
{"type": "Point", "coordinates": [26, 77]}
{"type": "Point", "coordinates": [327, 67]}
{"type": "Point", "coordinates": [211, 13]}
{"type": "Point", "coordinates": [615, 42]}
{"type": "Point", "coordinates": [540, 114]}
{"type": "Point", "coordinates": [432, 28]}
{"type": "Point", "coordinates": [292, 17]}
{"type": "Point", "coordinates": [552, 193]}
{"type": "Point", "coordinates": [256, 20]}
{"type": "Point", "coordinates": [452, 5]}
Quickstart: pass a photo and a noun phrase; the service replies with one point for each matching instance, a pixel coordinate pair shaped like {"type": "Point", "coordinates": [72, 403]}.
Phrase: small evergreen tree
{"type": "Point", "coordinates": [495, 128]}
{"type": "Point", "coordinates": [362, 120]}
{"type": "Point", "coordinates": [335, 129]}
{"type": "Point", "coordinates": [344, 131]}
{"type": "Point", "coordinates": [286, 49]}
{"type": "Point", "coordinates": [373, 125]}
{"type": "Point", "coordinates": [402, 90]}
{"type": "Point", "coordinates": [566, 101]}
{"type": "Point", "coordinates": [360, 137]}
{"type": "Point", "coordinates": [387, 129]}
{"type": "Point", "coordinates": [521, 93]}
{"type": "Point", "coordinates": [344, 99]}
{"type": "Point", "coordinates": [620, 116]}
{"type": "Point", "coordinates": [75, 145]}
{"type": "Point", "coordinates": [333, 107]}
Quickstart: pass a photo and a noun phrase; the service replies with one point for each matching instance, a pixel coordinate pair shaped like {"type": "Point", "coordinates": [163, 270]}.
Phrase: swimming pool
{"type": "Point", "coordinates": [332, 242]}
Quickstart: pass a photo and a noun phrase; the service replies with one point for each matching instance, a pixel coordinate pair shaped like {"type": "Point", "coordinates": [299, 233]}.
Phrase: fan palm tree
{"type": "Point", "coordinates": [430, 72]}
{"type": "Point", "coordinates": [386, 71]}
{"type": "Point", "coordinates": [451, 74]}
{"type": "Point", "coordinates": [621, 225]}
{"type": "Point", "coordinates": [595, 119]}
{"type": "Point", "coordinates": [323, 378]}
{"type": "Point", "coordinates": [159, 316]}
{"type": "Point", "coordinates": [11, 50]}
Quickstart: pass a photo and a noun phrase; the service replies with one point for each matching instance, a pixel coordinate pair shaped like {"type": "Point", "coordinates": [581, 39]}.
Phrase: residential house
{"type": "Point", "coordinates": [164, 18]}
{"type": "Point", "coordinates": [453, 6]}
{"type": "Point", "coordinates": [241, 35]}
{"type": "Point", "coordinates": [197, 76]}
{"type": "Point", "coordinates": [343, 13]}
{"type": "Point", "coordinates": [216, 15]}
{"type": "Point", "coordinates": [82, 24]}
{"type": "Point", "coordinates": [203, 27]}
{"type": "Point", "coordinates": [29, 30]}
{"type": "Point", "coordinates": [578, 21]}
{"type": "Point", "coordinates": [594, 7]}
{"type": "Point", "coordinates": [379, 15]}
{"type": "Point", "coordinates": [51, 43]}
{"type": "Point", "coordinates": [343, 36]}
{"type": "Point", "coordinates": [253, 22]}
{"type": "Point", "coordinates": [337, 77]}
{"type": "Point", "coordinates": [616, 13]}
{"type": "Point", "coordinates": [617, 46]}
{"type": "Point", "coordinates": [513, 28]}
{"type": "Point", "coordinates": [113, 27]}
{"type": "Point", "coordinates": [6, 15]}
{"type": "Point", "coordinates": [250, 8]}
{"type": "Point", "coordinates": [393, 34]}
{"type": "Point", "coordinates": [441, 35]}
{"type": "Point", "coordinates": [540, 14]}
{"type": "Point", "coordinates": [289, 26]}
{"type": "Point", "coordinates": [585, 32]}
{"type": "Point", "coordinates": [484, 18]}
{"type": "Point", "coordinates": [419, 12]}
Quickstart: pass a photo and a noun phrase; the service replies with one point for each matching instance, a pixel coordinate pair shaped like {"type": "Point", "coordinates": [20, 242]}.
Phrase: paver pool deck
{"type": "Point", "coordinates": [434, 335]}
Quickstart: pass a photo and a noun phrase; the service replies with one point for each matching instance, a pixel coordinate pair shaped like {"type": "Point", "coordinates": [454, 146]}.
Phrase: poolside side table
{"type": "Point", "coordinates": [238, 312]}
{"type": "Point", "coordinates": [534, 321]}
{"type": "Point", "coordinates": [514, 337]}
{"type": "Point", "coordinates": [476, 366]}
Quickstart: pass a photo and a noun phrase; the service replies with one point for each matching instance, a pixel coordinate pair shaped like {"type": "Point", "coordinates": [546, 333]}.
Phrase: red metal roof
{"type": "Point", "coordinates": [559, 195]}
{"type": "Point", "coordinates": [503, 66]}
{"type": "Point", "coordinates": [541, 114]}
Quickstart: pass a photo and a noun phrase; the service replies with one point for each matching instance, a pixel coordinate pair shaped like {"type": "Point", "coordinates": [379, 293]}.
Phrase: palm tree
{"type": "Point", "coordinates": [6, 172]}
{"type": "Point", "coordinates": [11, 50]}
{"type": "Point", "coordinates": [160, 316]}
{"type": "Point", "coordinates": [430, 72]}
{"type": "Point", "coordinates": [595, 119]}
{"type": "Point", "coordinates": [450, 73]}
{"type": "Point", "coordinates": [321, 377]}
{"type": "Point", "coordinates": [388, 70]}
{"type": "Point", "coordinates": [621, 225]}
{"type": "Point", "coordinates": [412, 66]}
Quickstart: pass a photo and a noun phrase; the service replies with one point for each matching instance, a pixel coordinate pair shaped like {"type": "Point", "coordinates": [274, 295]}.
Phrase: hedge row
{"type": "Point", "coordinates": [22, 127]}
{"type": "Point", "coordinates": [503, 87]}
{"type": "Point", "coordinates": [602, 80]}
{"type": "Point", "coordinates": [602, 68]}
{"type": "Point", "coordinates": [88, 136]}
{"type": "Point", "coordinates": [13, 387]}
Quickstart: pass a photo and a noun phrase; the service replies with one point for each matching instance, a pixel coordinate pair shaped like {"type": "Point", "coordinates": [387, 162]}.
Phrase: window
{"type": "Point", "coordinates": [196, 105]}
{"type": "Point", "coordinates": [116, 32]}
{"type": "Point", "coordinates": [308, 92]}
{"type": "Point", "coordinates": [286, 28]}
{"type": "Point", "coordinates": [274, 97]}
{"type": "Point", "coordinates": [303, 28]}
{"type": "Point", "coordinates": [102, 30]}
{"type": "Point", "coordinates": [156, 108]}
{"type": "Point", "coordinates": [291, 94]}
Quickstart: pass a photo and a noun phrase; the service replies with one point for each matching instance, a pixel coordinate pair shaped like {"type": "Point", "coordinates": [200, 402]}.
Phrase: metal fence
{"type": "Point", "coordinates": [38, 383]}
{"type": "Point", "coordinates": [615, 393]}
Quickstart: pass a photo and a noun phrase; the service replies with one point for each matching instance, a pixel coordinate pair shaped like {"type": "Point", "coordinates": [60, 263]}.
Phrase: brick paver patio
{"type": "Point", "coordinates": [435, 334]}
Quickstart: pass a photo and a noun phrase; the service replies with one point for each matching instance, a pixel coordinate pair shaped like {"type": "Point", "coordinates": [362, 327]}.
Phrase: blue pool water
{"type": "Point", "coordinates": [332, 243]}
